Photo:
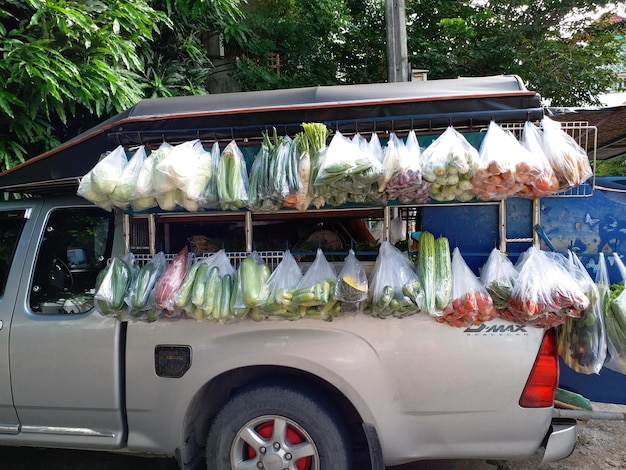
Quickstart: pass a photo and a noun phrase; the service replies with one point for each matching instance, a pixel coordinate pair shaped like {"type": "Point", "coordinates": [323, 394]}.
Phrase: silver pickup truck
{"type": "Point", "coordinates": [358, 392]}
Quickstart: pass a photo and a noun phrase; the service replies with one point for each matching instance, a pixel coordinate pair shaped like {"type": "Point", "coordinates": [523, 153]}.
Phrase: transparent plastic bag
{"type": "Point", "coordinates": [165, 190]}
{"type": "Point", "coordinates": [99, 183]}
{"type": "Point", "coordinates": [250, 285]}
{"type": "Point", "coordinates": [499, 275]}
{"type": "Point", "coordinates": [448, 163]}
{"type": "Point", "coordinates": [141, 298]}
{"type": "Point", "coordinates": [545, 294]}
{"type": "Point", "coordinates": [496, 176]}
{"type": "Point", "coordinates": [232, 178]}
{"type": "Point", "coordinates": [403, 164]}
{"type": "Point", "coordinates": [470, 304]}
{"type": "Point", "coordinates": [170, 281]}
{"type": "Point", "coordinates": [125, 189]}
{"type": "Point", "coordinates": [581, 341]}
{"type": "Point", "coordinates": [615, 322]}
{"type": "Point", "coordinates": [395, 289]}
{"type": "Point", "coordinates": [568, 159]}
{"type": "Point", "coordinates": [315, 293]}
{"type": "Point", "coordinates": [144, 186]}
{"type": "Point", "coordinates": [536, 174]}
{"type": "Point", "coordinates": [112, 286]}
{"type": "Point", "coordinates": [352, 284]}
{"type": "Point", "coordinates": [281, 286]}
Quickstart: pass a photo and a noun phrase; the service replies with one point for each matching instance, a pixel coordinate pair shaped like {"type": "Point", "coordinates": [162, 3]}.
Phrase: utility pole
{"type": "Point", "coordinates": [397, 55]}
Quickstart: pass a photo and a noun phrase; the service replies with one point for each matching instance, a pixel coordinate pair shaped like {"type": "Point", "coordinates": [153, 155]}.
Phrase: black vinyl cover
{"type": "Point", "coordinates": [423, 105]}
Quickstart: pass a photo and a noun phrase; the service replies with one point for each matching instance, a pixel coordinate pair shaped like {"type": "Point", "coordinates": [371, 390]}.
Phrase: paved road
{"type": "Point", "coordinates": [44, 459]}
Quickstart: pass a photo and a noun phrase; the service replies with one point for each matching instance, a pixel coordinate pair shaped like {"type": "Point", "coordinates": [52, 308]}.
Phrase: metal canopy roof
{"type": "Point", "coordinates": [385, 106]}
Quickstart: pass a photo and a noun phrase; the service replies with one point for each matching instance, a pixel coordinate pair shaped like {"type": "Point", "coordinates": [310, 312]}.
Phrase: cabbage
{"type": "Point", "coordinates": [106, 174]}
{"type": "Point", "coordinates": [124, 191]}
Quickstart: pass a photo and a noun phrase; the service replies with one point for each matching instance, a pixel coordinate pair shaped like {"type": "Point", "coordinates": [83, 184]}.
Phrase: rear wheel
{"type": "Point", "coordinates": [276, 427]}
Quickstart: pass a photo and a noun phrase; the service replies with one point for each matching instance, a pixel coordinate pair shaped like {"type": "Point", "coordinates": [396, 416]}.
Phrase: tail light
{"type": "Point", "coordinates": [544, 377]}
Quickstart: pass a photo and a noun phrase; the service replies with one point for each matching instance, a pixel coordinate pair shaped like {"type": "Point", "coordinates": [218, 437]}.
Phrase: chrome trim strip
{"type": "Point", "coordinates": [9, 428]}
{"type": "Point", "coordinates": [67, 431]}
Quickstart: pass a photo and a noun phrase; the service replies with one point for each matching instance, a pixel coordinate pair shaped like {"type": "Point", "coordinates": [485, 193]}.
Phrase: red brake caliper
{"type": "Point", "coordinates": [293, 437]}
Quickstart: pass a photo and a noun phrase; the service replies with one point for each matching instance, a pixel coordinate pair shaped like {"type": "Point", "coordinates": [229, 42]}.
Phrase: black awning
{"type": "Point", "coordinates": [416, 105]}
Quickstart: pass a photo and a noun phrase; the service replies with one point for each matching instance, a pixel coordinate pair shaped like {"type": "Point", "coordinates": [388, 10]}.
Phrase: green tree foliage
{"type": "Point", "coordinates": [557, 46]}
{"type": "Point", "coordinates": [307, 35]}
{"type": "Point", "coordinates": [68, 64]}
{"type": "Point", "coordinates": [64, 59]}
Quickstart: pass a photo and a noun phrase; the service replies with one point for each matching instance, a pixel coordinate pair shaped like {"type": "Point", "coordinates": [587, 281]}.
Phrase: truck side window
{"type": "Point", "coordinates": [75, 246]}
{"type": "Point", "coordinates": [11, 226]}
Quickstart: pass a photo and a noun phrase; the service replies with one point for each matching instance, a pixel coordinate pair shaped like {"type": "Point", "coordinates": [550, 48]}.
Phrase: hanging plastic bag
{"type": "Point", "coordinates": [280, 288]}
{"type": "Point", "coordinates": [403, 174]}
{"type": "Point", "coordinates": [165, 190]}
{"type": "Point", "coordinates": [99, 183]}
{"type": "Point", "coordinates": [545, 294]}
{"type": "Point", "coordinates": [499, 275]}
{"type": "Point", "coordinates": [315, 293]}
{"type": "Point", "coordinates": [351, 286]}
{"type": "Point", "coordinates": [394, 285]}
{"type": "Point", "coordinates": [448, 163]}
{"type": "Point", "coordinates": [144, 186]}
{"type": "Point", "coordinates": [141, 297]}
{"type": "Point", "coordinates": [125, 189]}
{"type": "Point", "coordinates": [210, 198]}
{"type": "Point", "coordinates": [250, 285]}
{"type": "Point", "coordinates": [536, 174]}
{"type": "Point", "coordinates": [367, 180]}
{"type": "Point", "coordinates": [615, 322]}
{"type": "Point", "coordinates": [496, 177]}
{"type": "Point", "coordinates": [232, 178]}
{"type": "Point", "coordinates": [112, 285]}
{"type": "Point", "coordinates": [568, 159]}
{"type": "Point", "coordinates": [470, 304]}
{"type": "Point", "coordinates": [259, 192]}
{"type": "Point", "coordinates": [170, 281]}
{"type": "Point", "coordinates": [581, 341]}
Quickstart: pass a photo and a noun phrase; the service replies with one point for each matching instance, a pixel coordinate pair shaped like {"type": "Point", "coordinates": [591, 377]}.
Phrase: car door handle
{"type": "Point", "coordinates": [0, 324]}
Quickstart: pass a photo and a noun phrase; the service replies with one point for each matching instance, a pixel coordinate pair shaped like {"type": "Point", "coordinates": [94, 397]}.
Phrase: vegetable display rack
{"type": "Point", "coordinates": [140, 229]}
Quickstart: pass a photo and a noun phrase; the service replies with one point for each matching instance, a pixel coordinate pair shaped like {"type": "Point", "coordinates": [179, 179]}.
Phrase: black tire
{"type": "Point", "coordinates": [312, 429]}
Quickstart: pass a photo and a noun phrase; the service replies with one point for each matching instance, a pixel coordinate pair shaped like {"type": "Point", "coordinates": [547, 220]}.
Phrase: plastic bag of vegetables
{"type": "Point", "coordinates": [470, 304]}
{"type": "Point", "coordinates": [448, 163]}
{"type": "Point", "coordinates": [112, 285]}
{"type": "Point", "coordinates": [125, 189]}
{"type": "Point", "coordinates": [141, 298]}
{"type": "Point", "coordinates": [346, 171]}
{"type": "Point", "coordinates": [545, 294]}
{"type": "Point", "coordinates": [98, 184]}
{"type": "Point", "coordinates": [144, 185]}
{"type": "Point", "coordinates": [232, 178]}
{"type": "Point", "coordinates": [581, 341]}
{"type": "Point", "coordinates": [280, 286]}
{"type": "Point", "coordinates": [351, 285]}
{"type": "Point", "coordinates": [496, 176]}
{"type": "Point", "coordinates": [170, 281]}
{"type": "Point", "coordinates": [188, 169]}
{"type": "Point", "coordinates": [402, 167]}
{"type": "Point", "coordinates": [250, 285]}
{"type": "Point", "coordinates": [615, 320]}
{"type": "Point", "coordinates": [394, 284]}
{"type": "Point", "coordinates": [536, 174]}
{"type": "Point", "coordinates": [315, 293]}
{"type": "Point", "coordinates": [567, 158]}
{"type": "Point", "coordinates": [499, 275]}
{"type": "Point", "coordinates": [313, 146]}
{"type": "Point", "coordinates": [210, 198]}
{"type": "Point", "coordinates": [165, 190]}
